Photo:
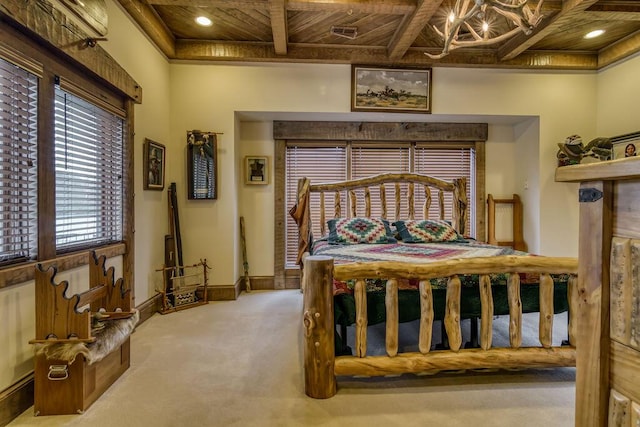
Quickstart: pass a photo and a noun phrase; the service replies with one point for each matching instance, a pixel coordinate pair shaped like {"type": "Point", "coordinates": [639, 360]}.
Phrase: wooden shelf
{"type": "Point", "coordinates": [603, 171]}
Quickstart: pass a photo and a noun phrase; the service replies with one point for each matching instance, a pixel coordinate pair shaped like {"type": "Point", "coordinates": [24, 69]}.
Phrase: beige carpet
{"type": "Point", "coordinates": [238, 363]}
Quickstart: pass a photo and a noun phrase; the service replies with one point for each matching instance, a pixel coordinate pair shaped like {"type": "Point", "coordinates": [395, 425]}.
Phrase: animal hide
{"type": "Point", "coordinates": [110, 334]}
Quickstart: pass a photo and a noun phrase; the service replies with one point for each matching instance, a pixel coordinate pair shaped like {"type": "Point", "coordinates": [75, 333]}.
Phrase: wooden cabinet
{"type": "Point", "coordinates": [608, 341]}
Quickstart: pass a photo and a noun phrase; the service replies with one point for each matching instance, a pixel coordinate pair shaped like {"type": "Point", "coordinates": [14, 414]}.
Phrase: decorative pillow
{"type": "Point", "coordinates": [426, 231]}
{"type": "Point", "coordinates": [359, 230]}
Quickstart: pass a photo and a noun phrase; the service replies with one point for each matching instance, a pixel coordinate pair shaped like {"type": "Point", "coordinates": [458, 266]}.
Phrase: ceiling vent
{"type": "Point", "coordinates": [346, 32]}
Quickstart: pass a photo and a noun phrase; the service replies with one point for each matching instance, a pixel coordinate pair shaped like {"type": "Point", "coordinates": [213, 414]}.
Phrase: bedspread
{"type": "Point", "coordinates": [408, 297]}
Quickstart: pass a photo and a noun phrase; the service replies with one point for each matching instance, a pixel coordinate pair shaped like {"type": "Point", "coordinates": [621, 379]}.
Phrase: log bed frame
{"type": "Point", "coordinates": [65, 386]}
{"type": "Point", "coordinates": [321, 365]}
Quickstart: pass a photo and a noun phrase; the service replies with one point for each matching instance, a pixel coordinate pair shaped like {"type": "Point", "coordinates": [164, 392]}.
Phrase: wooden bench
{"type": "Point", "coordinates": [82, 342]}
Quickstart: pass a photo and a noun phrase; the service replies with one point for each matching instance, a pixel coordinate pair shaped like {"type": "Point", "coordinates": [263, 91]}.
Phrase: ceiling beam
{"type": "Point", "coordinates": [387, 7]}
{"type": "Point", "coordinates": [522, 42]}
{"type": "Point", "coordinates": [613, 16]}
{"type": "Point", "coordinates": [278, 14]}
{"type": "Point", "coordinates": [227, 4]}
{"type": "Point", "coordinates": [620, 50]}
{"type": "Point", "coordinates": [263, 52]}
{"type": "Point", "coordinates": [411, 27]}
{"type": "Point", "coordinates": [152, 25]}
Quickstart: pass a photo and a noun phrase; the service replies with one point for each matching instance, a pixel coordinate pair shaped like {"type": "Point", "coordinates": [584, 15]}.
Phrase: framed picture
{"type": "Point", "coordinates": [627, 145]}
{"type": "Point", "coordinates": [399, 90]}
{"type": "Point", "coordinates": [256, 170]}
{"type": "Point", "coordinates": [202, 165]}
{"type": "Point", "coordinates": [153, 165]}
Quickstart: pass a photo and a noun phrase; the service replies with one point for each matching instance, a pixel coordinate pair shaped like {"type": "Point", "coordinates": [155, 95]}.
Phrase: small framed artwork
{"type": "Point", "coordinates": [153, 165]}
{"type": "Point", "coordinates": [398, 90]}
{"type": "Point", "coordinates": [627, 145]}
{"type": "Point", "coordinates": [202, 165]}
{"type": "Point", "coordinates": [256, 170]}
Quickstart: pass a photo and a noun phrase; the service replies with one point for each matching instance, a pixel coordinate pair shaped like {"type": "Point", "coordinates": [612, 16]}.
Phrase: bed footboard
{"type": "Point", "coordinates": [322, 366]}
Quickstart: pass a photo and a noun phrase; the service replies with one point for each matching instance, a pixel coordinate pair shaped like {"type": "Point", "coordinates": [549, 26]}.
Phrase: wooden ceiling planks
{"type": "Point", "coordinates": [396, 32]}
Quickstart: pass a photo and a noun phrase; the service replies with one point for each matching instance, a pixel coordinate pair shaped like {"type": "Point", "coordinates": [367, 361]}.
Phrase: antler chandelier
{"type": "Point", "coordinates": [470, 23]}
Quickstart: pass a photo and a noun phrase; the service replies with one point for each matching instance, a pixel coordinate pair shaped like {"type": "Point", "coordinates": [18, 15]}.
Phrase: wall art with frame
{"type": "Point", "coordinates": [202, 168]}
{"type": "Point", "coordinates": [399, 90]}
{"type": "Point", "coordinates": [627, 145]}
{"type": "Point", "coordinates": [256, 170]}
{"type": "Point", "coordinates": [153, 165]}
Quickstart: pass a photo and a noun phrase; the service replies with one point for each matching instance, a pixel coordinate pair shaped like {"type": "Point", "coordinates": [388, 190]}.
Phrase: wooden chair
{"type": "Point", "coordinates": [518, 242]}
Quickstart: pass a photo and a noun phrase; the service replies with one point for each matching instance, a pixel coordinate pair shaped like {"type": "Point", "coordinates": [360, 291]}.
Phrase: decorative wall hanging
{"type": "Point", "coordinates": [202, 168]}
{"type": "Point", "coordinates": [256, 170]}
{"type": "Point", "coordinates": [390, 89]}
{"type": "Point", "coordinates": [153, 165]}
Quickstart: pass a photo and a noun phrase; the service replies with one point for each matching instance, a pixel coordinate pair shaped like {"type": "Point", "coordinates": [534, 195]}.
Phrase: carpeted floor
{"type": "Point", "coordinates": [239, 363]}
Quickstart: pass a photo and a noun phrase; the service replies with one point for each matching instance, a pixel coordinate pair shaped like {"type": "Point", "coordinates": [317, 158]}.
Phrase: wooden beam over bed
{"type": "Point", "coordinates": [381, 131]}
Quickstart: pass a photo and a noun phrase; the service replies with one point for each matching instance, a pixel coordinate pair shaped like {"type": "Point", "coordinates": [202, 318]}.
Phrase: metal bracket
{"type": "Point", "coordinates": [589, 195]}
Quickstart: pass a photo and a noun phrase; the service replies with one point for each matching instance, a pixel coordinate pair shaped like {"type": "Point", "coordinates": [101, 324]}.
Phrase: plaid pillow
{"type": "Point", "coordinates": [359, 230]}
{"type": "Point", "coordinates": [426, 231]}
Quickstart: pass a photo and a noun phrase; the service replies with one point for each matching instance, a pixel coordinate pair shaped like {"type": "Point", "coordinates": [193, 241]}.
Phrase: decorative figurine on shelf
{"type": "Point", "coordinates": [572, 151]}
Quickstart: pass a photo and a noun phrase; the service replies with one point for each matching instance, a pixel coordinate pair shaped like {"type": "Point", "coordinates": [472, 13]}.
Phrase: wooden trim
{"type": "Point", "coordinates": [128, 201]}
{"type": "Point", "coordinates": [280, 211]}
{"type": "Point", "coordinates": [381, 131]}
{"type": "Point", "coordinates": [25, 272]}
{"type": "Point", "coordinates": [52, 25]}
{"type": "Point", "coordinates": [263, 282]}
{"type": "Point", "coordinates": [150, 307]}
{"type": "Point", "coordinates": [225, 292]}
{"type": "Point", "coordinates": [16, 399]}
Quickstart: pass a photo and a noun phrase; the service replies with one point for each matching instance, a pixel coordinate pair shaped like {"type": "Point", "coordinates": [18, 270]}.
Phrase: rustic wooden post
{"type": "Point", "coordinates": [319, 353]}
{"type": "Point", "coordinates": [592, 355]}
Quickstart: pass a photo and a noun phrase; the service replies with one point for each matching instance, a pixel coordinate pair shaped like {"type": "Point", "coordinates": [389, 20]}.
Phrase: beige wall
{"type": "Point", "coordinates": [618, 95]}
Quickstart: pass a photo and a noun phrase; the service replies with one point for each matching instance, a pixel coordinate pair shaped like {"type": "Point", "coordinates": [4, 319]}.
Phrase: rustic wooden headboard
{"type": "Point", "coordinates": [362, 187]}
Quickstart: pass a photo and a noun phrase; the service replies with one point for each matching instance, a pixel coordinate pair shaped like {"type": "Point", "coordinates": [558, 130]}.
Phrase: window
{"type": "Point", "coordinates": [448, 163]}
{"type": "Point", "coordinates": [18, 169]}
{"type": "Point", "coordinates": [320, 164]}
{"type": "Point", "coordinates": [357, 160]}
{"type": "Point", "coordinates": [89, 170]}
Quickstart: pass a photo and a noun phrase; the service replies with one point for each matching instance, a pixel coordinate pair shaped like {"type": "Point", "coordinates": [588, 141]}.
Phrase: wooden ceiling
{"type": "Point", "coordinates": [389, 32]}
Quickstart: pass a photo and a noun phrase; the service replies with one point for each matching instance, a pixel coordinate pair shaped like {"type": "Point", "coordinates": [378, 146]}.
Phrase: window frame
{"type": "Point", "coordinates": [113, 92]}
{"type": "Point", "coordinates": [475, 134]}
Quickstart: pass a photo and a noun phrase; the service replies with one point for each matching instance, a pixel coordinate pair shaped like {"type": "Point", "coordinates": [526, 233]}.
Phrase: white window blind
{"type": "Point", "coordinates": [374, 159]}
{"type": "Point", "coordinates": [448, 163]}
{"type": "Point", "coordinates": [18, 171]}
{"type": "Point", "coordinates": [320, 164]}
{"type": "Point", "coordinates": [89, 168]}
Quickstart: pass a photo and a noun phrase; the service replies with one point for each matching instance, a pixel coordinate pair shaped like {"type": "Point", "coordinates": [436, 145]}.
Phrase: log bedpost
{"type": "Point", "coordinates": [319, 353]}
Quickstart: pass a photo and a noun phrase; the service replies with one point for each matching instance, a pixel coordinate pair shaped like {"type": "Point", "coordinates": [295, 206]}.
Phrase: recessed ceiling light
{"type": "Point", "coordinates": [204, 21]}
{"type": "Point", "coordinates": [594, 33]}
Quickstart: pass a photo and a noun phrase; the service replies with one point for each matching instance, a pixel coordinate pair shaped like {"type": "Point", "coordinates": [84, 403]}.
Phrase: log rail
{"type": "Point", "coordinates": [321, 366]}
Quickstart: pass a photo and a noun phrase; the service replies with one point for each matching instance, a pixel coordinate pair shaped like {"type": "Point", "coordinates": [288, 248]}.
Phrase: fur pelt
{"type": "Point", "coordinates": [110, 334]}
